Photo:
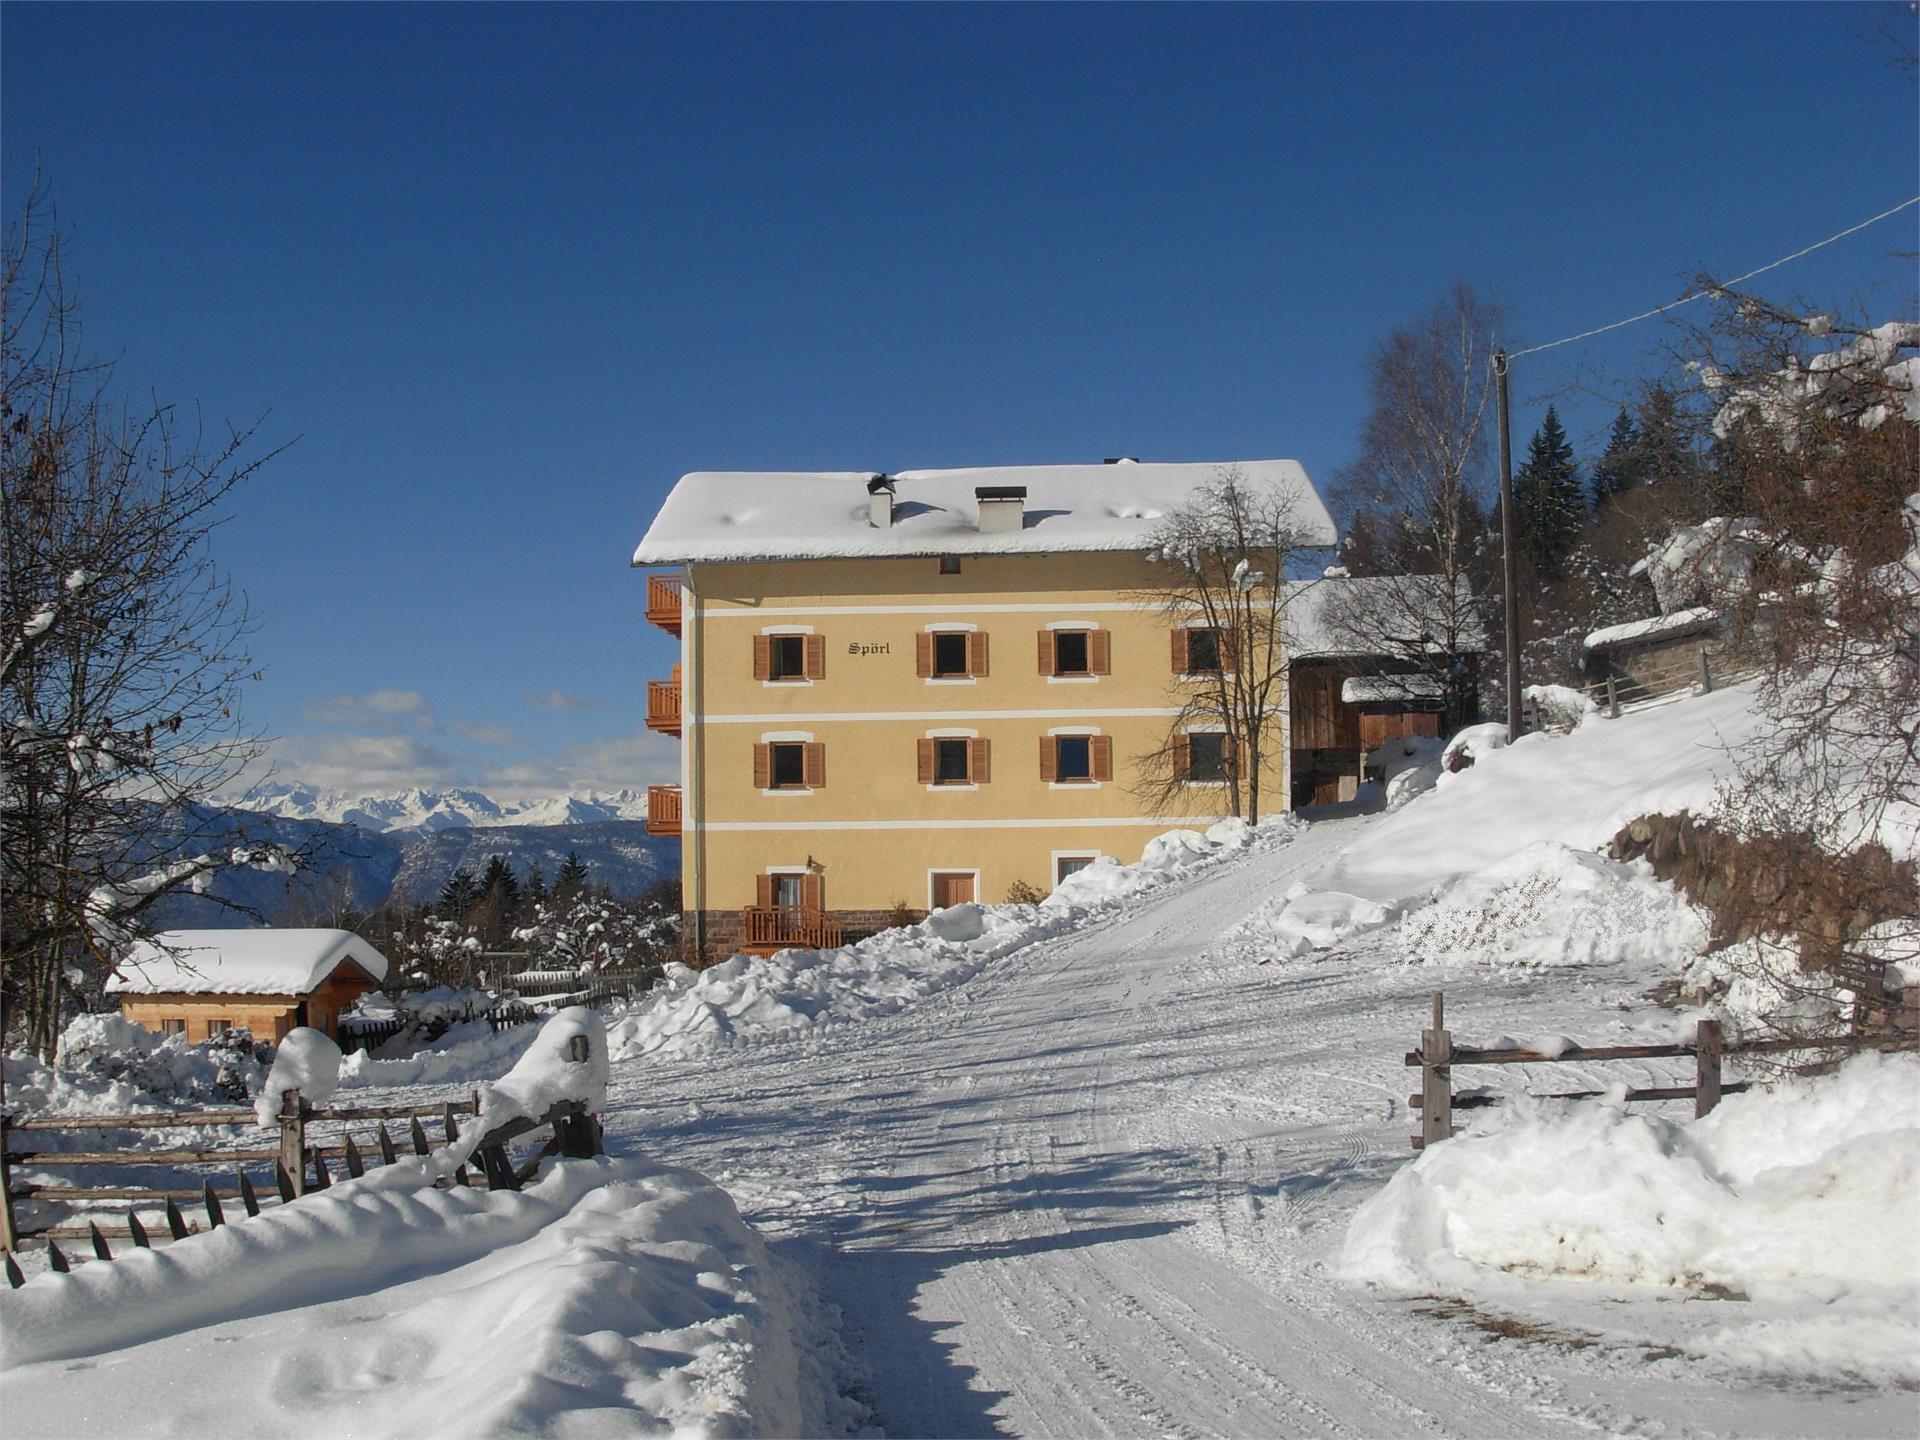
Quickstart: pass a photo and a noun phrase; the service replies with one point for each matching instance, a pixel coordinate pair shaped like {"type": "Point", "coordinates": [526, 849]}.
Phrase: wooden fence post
{"type": "Point", "coordinates": [1706, 675]}
{"type": "Point", "coordinates": [7, 1237]}
{"type": "Point", "coordinates": [1613, 697]}
{"type": "Point", "coordinates": [1436, 1079]}
{"type": "Point", "coordinates": [293, 1141]}
{"type": "Point", "coordinates": [1708, 1043]}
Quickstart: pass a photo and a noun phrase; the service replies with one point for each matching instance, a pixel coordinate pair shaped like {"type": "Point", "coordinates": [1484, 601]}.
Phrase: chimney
{"type": "Point", "coordinates": [1003, 508]}
{"type": "Point", "coordinates": [880, 502]}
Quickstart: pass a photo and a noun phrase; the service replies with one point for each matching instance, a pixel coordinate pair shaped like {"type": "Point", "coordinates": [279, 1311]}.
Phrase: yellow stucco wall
{"type": "Point", "coordinates": [873, 831]}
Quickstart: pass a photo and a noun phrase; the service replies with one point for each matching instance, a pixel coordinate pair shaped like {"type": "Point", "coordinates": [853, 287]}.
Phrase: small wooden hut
{"type": "Point", "coordinates": [199, 982]}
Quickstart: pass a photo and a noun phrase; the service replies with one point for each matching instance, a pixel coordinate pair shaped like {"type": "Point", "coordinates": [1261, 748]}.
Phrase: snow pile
{"type": "Point", "coordinates": [1560, 707]}
{"type": "Point", "coordinates": [1470, 745]}
{"type": "Point", "coordinates": [1408, 766]}
{"type": "Point", "coordinates": [1303, 921]}
{"type": "Point", "coordinates": [469, 1051]}
{"type": "Point", "coordinates": [567, 1061]}
{"type": "Point", "coordinates": [306, 1061]}
{"type": "Point", "coordinates": [797, 989]}
{"type": "Point", "coordinates": [610, 1296]}
{"type": "Point", "coordinates": [425, 1015]}
{"type": "Point", "coordinates": [1800, 1198]}
{"type": "Point", "coordinates": [1546, 904]}
{"type": "Point", "coordinates": [1757, 986]}
{"type": "Point", "coordinates": [107, 1063]}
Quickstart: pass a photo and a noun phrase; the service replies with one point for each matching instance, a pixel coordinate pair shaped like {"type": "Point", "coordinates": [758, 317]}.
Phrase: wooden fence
{"type": "Point", "coordinates": [299, 1165]}
{"type": "Point", "coordinates": [1437, 1055]}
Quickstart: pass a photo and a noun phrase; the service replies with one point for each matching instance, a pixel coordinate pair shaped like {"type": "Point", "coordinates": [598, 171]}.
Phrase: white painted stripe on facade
{"type": "Point", "coordinates": [932, 717]}
{"type": "Point", "coordinates": [1023, 608]}
{"type": "Point", "coordinates": [1164, 821]}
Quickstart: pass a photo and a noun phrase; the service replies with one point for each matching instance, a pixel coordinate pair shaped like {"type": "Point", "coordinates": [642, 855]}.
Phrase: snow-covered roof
{"type": "Point", "coordinates": [1392, 690]}
{"type": "Point", "coordinates": [241, 962]}
{"type": "Point", "coordinates": [1348, 616]}
{"type": "Point", "coordinates": [1654, 627]}
{"type": "Point", "coordinates": [783, 515]}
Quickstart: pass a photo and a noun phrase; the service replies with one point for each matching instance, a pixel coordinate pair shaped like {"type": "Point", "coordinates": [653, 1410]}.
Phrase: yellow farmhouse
{"type": "Point", "coordinates": [903, 692]}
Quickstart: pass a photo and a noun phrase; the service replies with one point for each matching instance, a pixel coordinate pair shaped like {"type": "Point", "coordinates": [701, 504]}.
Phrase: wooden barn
{"type": "Point", "coordinates": [199, 982]}
{"type": "Point", "coordinates": [1657, 655]}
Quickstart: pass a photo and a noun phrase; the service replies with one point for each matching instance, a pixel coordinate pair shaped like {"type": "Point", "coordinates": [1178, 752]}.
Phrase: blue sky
{"type": "Point", "coordinates": [502, 274]}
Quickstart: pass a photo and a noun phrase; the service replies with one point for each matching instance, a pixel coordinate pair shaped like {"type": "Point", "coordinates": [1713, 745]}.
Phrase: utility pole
{"type": "Point", "coordinates": [1510, 567]}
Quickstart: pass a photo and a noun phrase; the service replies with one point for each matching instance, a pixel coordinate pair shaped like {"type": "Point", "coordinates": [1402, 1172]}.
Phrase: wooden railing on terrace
{"type": "Point", "coordinates": [663, 809]}
{"type": "Point", "coordinates": [663, 602]}
{"type": "Point", "coordinates": [663, 704]}
{"type": "Point", "coordinates": [783, 927]}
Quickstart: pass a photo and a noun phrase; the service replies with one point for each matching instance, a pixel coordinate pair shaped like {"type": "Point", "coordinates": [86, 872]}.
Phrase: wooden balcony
{"type": "Point", "coordinates": [783, 927]}
{"type": "Point", "coordinates": [663, 810]}
{"type": "Point", "coordinates": [663, 704]}
{"type": "Point", "coordinates": [663, 602]}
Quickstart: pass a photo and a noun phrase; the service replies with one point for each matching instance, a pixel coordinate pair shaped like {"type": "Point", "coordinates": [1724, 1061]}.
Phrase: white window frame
{"type": "Point", "coordinates": [1053, 861]}
{"type": "Point", "coordinates": [1089, 783]}
{"type": "Point", "coordinates": [950, 627]}
{"type": "Point", "coordinates": [933, 870]}
{"type": "Point", "coordinates": [785, 737]}
{"type": "Point", "coordinates": [1088, 626]}
{"type": "Point", "coordinates": [937, 788]}
{"type": "Point", "coordinates": [791, 680]}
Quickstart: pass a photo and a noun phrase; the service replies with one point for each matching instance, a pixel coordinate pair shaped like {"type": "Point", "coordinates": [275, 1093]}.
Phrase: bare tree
{"type": "Point", "coordinates": [1414, 492]}
{"type": "Point", "coordinates": [121, 648]}
{"type": "Point", "coordinates": [1223, 558]}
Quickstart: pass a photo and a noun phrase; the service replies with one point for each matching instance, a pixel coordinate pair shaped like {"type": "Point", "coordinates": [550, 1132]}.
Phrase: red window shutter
{"type": "Point", "coordinates": [762, 767]}
{"type": "Point", "coordinates": [763, 891]}
{"type": "Point", "coordinates": [1182, 757]}
{"type": "Point", "coordinates": [1049, 758]}
{"type": "Point", "coordinates": [923, 655]}
{"type": "Point", "coordinates": [979, 766]}
{"type": "Point", "coordinates": [1102, 748]}
{"type": "Point", "coordinates": [812, 893]}
{"type": "Point", "coordinates": [1046, 652]}
{"type": "Point", "coordinates": [813, 764]}
{"type": "Point", "coordinates": [926, 762]}
{"type": "Point", "coordinates": [816, 657]}
{"type": "Point", "coordinates": [1229, 650]}
{"type": "Point", "coordinates": [977, 653]}
{"type": "Point", "coordinates": [1098, 653]}
{"type": "Point", "coordinates": [763, 657]}
{"type": "Point", "coordinates": [1179, 652]}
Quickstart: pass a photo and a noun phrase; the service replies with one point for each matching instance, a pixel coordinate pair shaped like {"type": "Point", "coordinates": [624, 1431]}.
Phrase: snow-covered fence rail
{"type": "Point", "coordinates": [1698, 674]}
{"type": "Point", "coordinates": [1435, 1102]}
{"type": "Point", "coordinates": [299, 1164]}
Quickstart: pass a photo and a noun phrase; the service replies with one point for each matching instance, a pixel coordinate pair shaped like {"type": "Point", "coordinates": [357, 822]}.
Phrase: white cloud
{"type": "Point", "coordinates": [363, 764]}
{"type": "Point", "coordinates": [622, 762]}
{"type": "Point", "coordinates": [492, 735]}
{"type": "Point", "coordinates": [561, 700]}
{"type": "Point", "coordinates": [383, 764]}
{"type": "Point", "coordinates": [382, 709]}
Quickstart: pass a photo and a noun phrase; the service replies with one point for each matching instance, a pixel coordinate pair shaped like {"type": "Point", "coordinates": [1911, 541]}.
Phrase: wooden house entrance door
{"type": "Point", "coordinates": [952, 888]}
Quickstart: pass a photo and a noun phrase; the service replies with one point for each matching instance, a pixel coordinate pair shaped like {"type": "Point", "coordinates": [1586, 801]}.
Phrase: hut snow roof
{"type": "Point", "coordinates": [241, 962]}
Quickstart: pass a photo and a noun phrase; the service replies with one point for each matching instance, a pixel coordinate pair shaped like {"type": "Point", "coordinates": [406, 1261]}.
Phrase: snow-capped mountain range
{"type": "Point", "coordinates": [418, 809]}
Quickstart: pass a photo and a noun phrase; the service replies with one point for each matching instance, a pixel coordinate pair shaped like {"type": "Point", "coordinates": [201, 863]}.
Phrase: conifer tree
{"type": "Point", "coordinates": [535, 890]}
{"type": "Point", "coordinates": [1548, 501]}
{"type": "Point", "coordinates": [458, 894]}
{"type": "Point", "coordinates": [1615, 472]}
{"type": "Point", "coordinates": [571, 877]}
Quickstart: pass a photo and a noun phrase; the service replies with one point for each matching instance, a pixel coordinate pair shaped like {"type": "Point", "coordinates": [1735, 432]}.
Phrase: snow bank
{"type": "Point", "coordinates": [798, 989]}
{"type": "Point", "coordinates": [1546, 904]}
{"type": "Point", "coordinates": [467, 1052]}
{"type": "Point", "coordinates": [567, 1061]}
{"type": "Point", "coordinates": [1303, 921]}
{"type": "Point", "coordinates": [1577, 789]}
{"type": "Point", "coordinates": [610, 1296]}
{"type": "Point", "coordinates": [306, 1061]}
{"type": "Point", "coordinates": [1408, 766]}
{"type": "Point", "coordinates": [107, 1063]}
{"type": "Point", "coordinates": [1801, 1198]}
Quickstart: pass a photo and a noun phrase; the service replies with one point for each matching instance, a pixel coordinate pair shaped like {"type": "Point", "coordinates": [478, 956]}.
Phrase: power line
{"type": "Point", "coordinates": [1697, 294]}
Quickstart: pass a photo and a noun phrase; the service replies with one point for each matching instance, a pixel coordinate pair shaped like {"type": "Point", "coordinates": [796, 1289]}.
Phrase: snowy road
{"type": "Point", "coordinates": [1094, 1191]}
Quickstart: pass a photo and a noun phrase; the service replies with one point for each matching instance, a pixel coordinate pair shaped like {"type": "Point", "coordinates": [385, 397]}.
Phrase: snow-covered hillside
{"type": "Point", "coordinates": [418, 809]}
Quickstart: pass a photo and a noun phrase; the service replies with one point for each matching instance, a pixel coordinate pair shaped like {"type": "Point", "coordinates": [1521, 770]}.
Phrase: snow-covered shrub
{"type": "Point", "coordinates": [1471, 744]}
{"type": "Point", "coordinates": [1560, 707]}
{"type": "Point", "coordinates": [589, 933]}
{"type": "Point", "coordinates": [1547, 904]}
{"type": "Point", "coordinates": [109, 1063]}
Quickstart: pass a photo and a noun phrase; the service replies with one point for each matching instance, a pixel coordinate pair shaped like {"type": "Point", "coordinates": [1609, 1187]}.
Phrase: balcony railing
{"type": "Point", "coordinates": [783, 927]}
{"type": "Point", "coordinates": [663, 704]}
{"type": "Point", "coordinates": [663, 810]}
{"type": "Point", "coordinates": [663, 602]}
